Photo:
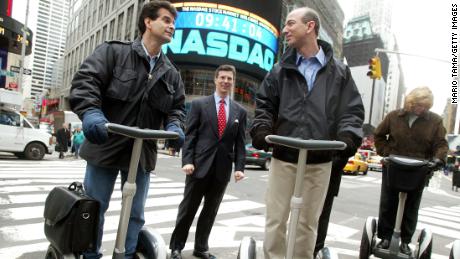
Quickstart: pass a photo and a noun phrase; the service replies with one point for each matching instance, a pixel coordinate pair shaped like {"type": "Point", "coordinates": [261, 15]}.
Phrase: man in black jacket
{"type": "Point", "coordinates": [308, 95]}
{"type": "Point", "coordinates": [133, 84]}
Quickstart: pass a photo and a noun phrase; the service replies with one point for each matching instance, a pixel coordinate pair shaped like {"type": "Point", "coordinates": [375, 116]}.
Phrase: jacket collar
{"type": "Point", "coordinates": [403, 113]}
{"type": "Point", "coordinates": [139, 49]}
{"type": "Point", "coordinates": [289, 58]}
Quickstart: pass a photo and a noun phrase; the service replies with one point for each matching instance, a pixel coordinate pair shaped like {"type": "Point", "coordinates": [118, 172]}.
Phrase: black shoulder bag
{"type": "Point", "coordinates": [71, 219]}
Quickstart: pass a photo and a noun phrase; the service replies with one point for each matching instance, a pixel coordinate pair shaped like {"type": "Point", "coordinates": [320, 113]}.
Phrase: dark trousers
{"type": "Point", "coordinates": [389, 199]}
{"type": "Point", "coordinates": [213, 191]}
{"type": "Point", "coordinates": [323, 222]}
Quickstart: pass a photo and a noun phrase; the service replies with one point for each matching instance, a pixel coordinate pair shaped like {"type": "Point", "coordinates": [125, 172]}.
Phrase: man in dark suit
{"type": "Point", "coordinates": [214, 138]}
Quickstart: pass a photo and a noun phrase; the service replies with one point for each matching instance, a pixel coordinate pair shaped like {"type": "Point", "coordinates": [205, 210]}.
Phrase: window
{"type": "Point", "coordinates": [9, 118]}
{"type": "Point", "coordinates": [111, 29]}
{"type": "Point", "coordinates": [120, 27]}
{"type": "Point", "coordinates": [104, 33]}
{"type": "Point", "coordinates": [129, 22]}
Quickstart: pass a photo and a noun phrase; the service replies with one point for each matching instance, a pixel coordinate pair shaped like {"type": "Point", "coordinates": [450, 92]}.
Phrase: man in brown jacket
{"type": "Point", "coordinates": [415, 132]}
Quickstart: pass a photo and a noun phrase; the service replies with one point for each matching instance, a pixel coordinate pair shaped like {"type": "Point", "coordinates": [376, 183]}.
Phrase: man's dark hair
{"type": "Point", "coordinates": [225, 68]}
{"type": "Point", "coordinates": [150, 10]}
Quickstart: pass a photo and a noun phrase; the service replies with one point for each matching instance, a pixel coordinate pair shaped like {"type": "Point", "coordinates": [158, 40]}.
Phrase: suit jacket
{"type": "Point", "coordinates": [202, 145]}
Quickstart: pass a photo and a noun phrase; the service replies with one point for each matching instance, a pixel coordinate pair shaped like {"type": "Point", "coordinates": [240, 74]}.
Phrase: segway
{"type": "Point", "coordinates": [455, 250]}
{"type": "Point", "coordinates": [247, 248]}
{"type": "Point", "coordinates": [403, 174]}
{"type": "Point", "coordinates": [150, 243]}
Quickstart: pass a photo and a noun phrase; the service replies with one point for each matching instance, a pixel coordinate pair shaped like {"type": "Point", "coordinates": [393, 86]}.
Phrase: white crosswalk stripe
{"type": "Point", "coordinates": [24, 186]}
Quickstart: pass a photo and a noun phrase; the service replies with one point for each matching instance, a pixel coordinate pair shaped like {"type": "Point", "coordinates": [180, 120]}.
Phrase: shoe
{"type": "Point", "coordinates": [384, 244]}
{"type": "Point", "coordinates": [175, 254]}
{"type": "Point", "coordinates": [203, 255]}
{"type": "Point", "coordinates": [405, 249]}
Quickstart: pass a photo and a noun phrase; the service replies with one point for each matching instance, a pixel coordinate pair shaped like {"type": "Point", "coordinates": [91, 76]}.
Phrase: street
{"type": "Point", "coordinates": [24, 186]}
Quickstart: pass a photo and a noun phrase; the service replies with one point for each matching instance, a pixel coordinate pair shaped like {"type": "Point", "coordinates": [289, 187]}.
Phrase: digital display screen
{"type": "Point", "coordinates": [215, 34]}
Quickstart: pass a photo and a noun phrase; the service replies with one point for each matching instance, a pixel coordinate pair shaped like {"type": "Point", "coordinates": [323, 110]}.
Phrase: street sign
{"type": "Point", "coordinates": [16, 69]}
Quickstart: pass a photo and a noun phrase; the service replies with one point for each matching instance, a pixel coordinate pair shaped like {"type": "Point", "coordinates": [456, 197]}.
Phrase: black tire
{"type": "Point", "coordinates": [455, 250]}
{"type": "Point", "coordinates": [365, 172]}
{"type": "Point", "coordinates": [368, 238]}
{"type": "Point", "coordinates": [34, 151]}
{"type": "Point", "coordinates": [326, 253]}
{"type": "Point", "coordinates": [266, 165]}
{"type": "Point", "coordinates": [150, 244]}
{"type": "Point", "coordinates": [425, 244]}
{"type": "Point", "coordinates": [247, 248]}
{"type": "Point", "coordinates": [53, 253]}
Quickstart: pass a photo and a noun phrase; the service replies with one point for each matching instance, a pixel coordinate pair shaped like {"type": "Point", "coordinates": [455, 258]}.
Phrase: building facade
{"type": "Point", "coordinates": [207, 35]}
{"type": "Point", "coordinates": [331, 18]}
{"type": "Point", "coordinates": [359, 44]}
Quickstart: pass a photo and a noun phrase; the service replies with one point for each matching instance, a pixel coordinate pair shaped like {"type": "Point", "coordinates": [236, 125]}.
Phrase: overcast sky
{"type": "Point", "coordinates": [422, 27]}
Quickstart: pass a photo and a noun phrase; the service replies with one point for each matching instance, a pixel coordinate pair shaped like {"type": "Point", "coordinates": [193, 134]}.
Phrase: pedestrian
{"type": "Point", "coordinates": [62, 140]}
{"type": "Point", "coordinates": [77, 139]}
{"type": "Point", "coordinates": [338, 163]}
{"type": "Point", "coordinates": [412, 131]}
{"type": "Point", "coordinates": [308, 95]}
{"type": "Point", "coordinates": [133, 84]}
{"type": "Point", "coordinates": [215, 137]}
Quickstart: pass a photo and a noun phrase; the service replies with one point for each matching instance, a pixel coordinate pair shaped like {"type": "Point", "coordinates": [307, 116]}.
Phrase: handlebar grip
{"type": "Point", "coordinates": [133, 132]}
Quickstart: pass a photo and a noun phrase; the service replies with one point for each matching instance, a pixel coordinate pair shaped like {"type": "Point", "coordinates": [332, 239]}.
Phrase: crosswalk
{"type": "Point", "coordinates": [24, 186]}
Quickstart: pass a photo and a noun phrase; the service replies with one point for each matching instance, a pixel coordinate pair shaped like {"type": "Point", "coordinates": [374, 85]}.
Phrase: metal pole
{"type": "Point", "coordinates": [372, 102]}
{"type": "Point", "coordinates": [23, 50]}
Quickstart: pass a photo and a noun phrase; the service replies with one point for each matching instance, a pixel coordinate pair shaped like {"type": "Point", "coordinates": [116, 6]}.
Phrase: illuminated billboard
{"type": "Point", "coordinates": [232, 32]}
{"type": "Point", "coordinates": [11, 36]}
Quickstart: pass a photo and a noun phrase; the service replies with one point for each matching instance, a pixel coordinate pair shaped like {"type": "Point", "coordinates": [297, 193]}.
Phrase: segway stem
{"type": "Point", "coordinates": [296, 203]}
{"type": "Point", "coordinates": [129, 189]}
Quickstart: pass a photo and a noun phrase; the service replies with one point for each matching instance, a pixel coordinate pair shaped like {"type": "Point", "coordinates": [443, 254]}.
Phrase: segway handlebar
{"type": "Point", "coordinates": [133, 132]}
{"type": "Point", "coordinates": [309, 144]}
{"type": "Point", "coordinates": [409, 161]}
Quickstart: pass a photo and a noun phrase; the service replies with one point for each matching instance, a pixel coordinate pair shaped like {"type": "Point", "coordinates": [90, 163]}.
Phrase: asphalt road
{"type": "Point", "coordinates": [24, 185]}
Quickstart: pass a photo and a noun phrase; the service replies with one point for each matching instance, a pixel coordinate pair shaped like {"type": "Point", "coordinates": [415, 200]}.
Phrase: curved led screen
{"type": "Point", "coordinates": [218, 33]}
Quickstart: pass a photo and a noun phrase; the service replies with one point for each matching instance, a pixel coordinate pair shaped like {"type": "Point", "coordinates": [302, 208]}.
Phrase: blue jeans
{"type": "Point", "coordinates": [99, 184]}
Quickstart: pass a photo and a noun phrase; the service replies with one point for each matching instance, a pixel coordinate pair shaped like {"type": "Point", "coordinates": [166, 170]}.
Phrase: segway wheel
{"type": "Point", "coordinates": [455, 250]}
{"type": "Point", "coordinates": [326, 253]}
{"type": "Point", "coordinates": [247, 248]}
{"type": "Point", "coordinates": [150, 245]}
{"type": "Point", "coordinates": [368, 238]}
{"type": "Point", "coordinates": [425, 244]}
{"type": "Point", "coordinates": [53, 253]}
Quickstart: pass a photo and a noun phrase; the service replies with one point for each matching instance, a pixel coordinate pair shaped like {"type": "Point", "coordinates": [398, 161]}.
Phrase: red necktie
{"type": "Point", "coordinates": [221, 118]}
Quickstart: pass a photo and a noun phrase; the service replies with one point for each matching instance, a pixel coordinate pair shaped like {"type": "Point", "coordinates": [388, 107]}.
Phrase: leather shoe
{"type": "Point", "coordinates": [203, 255]}
{"type": "Point", "coordinates": [175, 254]}
{"type": "Point", "coordinates": [405, 249]}
{"type": "Point", "coordinates": [384, 244]}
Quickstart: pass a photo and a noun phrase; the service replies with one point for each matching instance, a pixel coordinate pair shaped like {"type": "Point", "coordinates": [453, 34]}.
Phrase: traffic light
{"type": "Point", "coordinates": [375, 68]}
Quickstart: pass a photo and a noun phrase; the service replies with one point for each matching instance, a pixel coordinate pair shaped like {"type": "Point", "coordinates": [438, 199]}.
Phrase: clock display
{"type": "Point", "coordinates": [215, 34]}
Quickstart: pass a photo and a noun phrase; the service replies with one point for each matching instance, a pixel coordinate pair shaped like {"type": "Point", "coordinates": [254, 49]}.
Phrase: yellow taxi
{"type": "Point", "coordinates": [356, 164]}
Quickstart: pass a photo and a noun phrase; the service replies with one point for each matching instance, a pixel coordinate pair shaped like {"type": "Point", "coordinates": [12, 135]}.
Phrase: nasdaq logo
{"type": "Point", "coordinates": [220, 44]}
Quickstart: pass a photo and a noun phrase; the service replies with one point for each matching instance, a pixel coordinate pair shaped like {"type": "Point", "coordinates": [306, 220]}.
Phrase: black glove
{"type": "Point", "coordinates": [94, 126]}
{"type": "Point", "coordinates": [179, 142]}
{"type": "Point", "coordinates": [352, 144]}
{"type": "Point", "coordinates": [258, 140]}
{"type": "Point", "coordinates": [438, 164]}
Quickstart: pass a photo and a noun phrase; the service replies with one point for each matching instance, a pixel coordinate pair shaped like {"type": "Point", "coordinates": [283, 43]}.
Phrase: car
{"type": "Point", "coordinates": [258, 157]}
{"type": "Point", "coordinates": [375, 163]}
{"type": "Point", "coordinates": [356, 165]}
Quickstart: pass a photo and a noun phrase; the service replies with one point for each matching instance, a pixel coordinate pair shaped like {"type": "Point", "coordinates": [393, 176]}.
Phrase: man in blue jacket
{"type": "Point", "coordinates": [308, 95]}
{"type": "Point", "coordinates": [133, 84]}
